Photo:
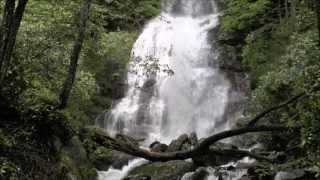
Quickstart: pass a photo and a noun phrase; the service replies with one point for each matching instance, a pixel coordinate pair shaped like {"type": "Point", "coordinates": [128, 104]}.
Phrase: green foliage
{"type": "Point", "coordinates": [294, 72]}
{"type": "Point", "coordinates": [283, 60]}
{"type": "Point", "coordinates": [8, 170]}
{"type": "Point", "coordinates": [39, 67]}
{"type": "Point", "coordinates": [244, 15]}
{"type": "Point", "coordinates": [124, 14]}
{"type": "Point", "coordinates": [282, 57]}
{"type": "Point", "coordinates": [43, 52]}
{"type": "Point", "coordinates": [107, 58]}
{"type": "Point", "coordinates": [4, 140]}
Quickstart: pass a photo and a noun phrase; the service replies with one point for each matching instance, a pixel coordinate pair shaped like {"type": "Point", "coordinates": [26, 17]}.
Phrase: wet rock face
{"type": "Point", "coordinates": [158, 147]}
{"type": "Point", "coordinates": [199, 174]}
{"type": "Point", "coordinates": [213, 160]}
{"type": "Point", "coordinates": [120, 159]}
{"type": "Point", "coordinates": [116, 160]}
{"type": "Point", "coordinates": [184, 142]}
{"type": "Point", "coordinates": [293, 175]}
{"type": "Point", "coordinates": [178, 144]}
{"type": "Point", "coordinates": [173, 170]}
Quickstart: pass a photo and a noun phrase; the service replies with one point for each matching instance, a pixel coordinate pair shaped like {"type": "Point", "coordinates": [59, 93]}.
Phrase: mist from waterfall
{"type": "Point", "coordinates": [173, 84]}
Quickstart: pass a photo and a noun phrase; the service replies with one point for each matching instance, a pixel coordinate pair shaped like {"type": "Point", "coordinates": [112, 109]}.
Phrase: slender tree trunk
{"type": "Point", "coordinates": [286, 9]}
{"type": "Point", "coordinates": [293, 14]}
{"type": "Point", "coordinates": [5, 28]}
{"type": "Point", "coordinates": [75, 54]}
{"type": "Point", "coordinates": [9, 29]}
{"type": "Point", "coordinates": [280, 11]}
{"type": "Point", "coordinates": [317, 5]}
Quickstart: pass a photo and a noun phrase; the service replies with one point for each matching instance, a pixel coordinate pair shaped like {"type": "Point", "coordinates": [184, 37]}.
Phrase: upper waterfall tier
{"type": "Point", "coordinates": [173, 87]}
{"type": "Point", "coordinates": [190, 7]}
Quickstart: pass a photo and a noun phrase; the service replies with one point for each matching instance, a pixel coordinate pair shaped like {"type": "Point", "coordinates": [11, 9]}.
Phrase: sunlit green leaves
{"type": "Point", "coordinates": [123, 14]}
{"type": "Point", "coordinates": [242, 15]}
{"type": "Point", "coordinates": [8, 169]}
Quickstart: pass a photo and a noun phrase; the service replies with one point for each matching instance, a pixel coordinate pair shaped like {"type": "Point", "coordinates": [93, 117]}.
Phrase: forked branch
{"type": "Point", "coordinates": [201, 149]}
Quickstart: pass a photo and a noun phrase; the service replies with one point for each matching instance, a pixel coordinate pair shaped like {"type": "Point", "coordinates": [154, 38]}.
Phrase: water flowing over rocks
{"type": "Point", "coordinates": [174, 84]}
{"type": "Point", "coordinates": [214, 160]}
{"type": "Point", "coordinates": [177, 89]}
{"type": "Point", "coordinates": [120, 159]}
{"type": "Point", "coordinates": [173, 170]}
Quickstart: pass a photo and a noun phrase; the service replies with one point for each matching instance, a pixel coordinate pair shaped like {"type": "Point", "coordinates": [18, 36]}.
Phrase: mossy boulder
{"type": "Point", "coordinates": [200, 174]}
{"type": "Point", "coordinates": [173, 170]}
{"type": "Point", "coordinates": [101, 156]}
{"type": "Point", "coordinates": [74, 162]}
{"type": "Point", "coordinates": [214, 160]}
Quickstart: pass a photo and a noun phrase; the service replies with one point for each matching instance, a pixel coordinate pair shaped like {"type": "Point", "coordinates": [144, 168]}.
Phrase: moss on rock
{"type": "Point", "coordinates": [172, 170]}
{"type": "Point", "coordinates": [74, 162]}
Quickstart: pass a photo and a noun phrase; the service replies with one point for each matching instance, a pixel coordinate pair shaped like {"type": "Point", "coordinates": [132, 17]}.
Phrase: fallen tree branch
{"type": "Point", "coordinates": [290, 101]}
{"type": "Point", "coordinates": [255, 120]}
{"type": "Point", "coordinates": [202, 148]}
{"type": "Point", "coordinates": [240, 154]}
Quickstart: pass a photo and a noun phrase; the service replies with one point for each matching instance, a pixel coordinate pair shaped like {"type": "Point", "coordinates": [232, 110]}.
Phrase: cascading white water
{"type": "Point", "coordinates": [173, 84]}
{"type": "Point", "coordinates": [117, 174]}
{"type": "Point", "coordinates": [161, 105]}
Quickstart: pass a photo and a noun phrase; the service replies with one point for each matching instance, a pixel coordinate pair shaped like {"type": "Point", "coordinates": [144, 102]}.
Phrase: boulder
{"type": "Point", "coordinates": [200, 174]}
{"type": "Point", "coordinates": [74, 158]}
{"type": "Point", "coordinates": [172, 170]}
{"type": "Point", "coordinates": [293, 175]}
{"type": "Point", "coordinates": [193, 139]}
{"type": "Point", "coordinates": [120, 159]}
{"type": "Point", "coordinates": [245, 177]}
{"type": "Point", "coordinates": [102, 158]}
{"type": "Point", "coordinates": [176, 145]}
{"type": "Point", "coordinates": [214, 160]}
{"type": "Point", "coordinates": [158, 147]}
{"type": "Point", "coordinates": [183, 142]}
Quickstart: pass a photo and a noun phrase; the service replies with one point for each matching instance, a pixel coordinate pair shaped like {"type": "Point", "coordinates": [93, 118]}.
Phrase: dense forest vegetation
{"type": "Point", "coordinates": [278, 44]}
{"type": "Point", "coordinates": [63, 64]}
{"type": "Point", "coordinates": [33, 129]}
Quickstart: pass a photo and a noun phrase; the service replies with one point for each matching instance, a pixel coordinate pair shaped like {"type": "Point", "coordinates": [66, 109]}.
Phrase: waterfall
{"type": "Point", "coordinates": [173, 84]}
{"type": "Point", "coordinates": [118, 174]}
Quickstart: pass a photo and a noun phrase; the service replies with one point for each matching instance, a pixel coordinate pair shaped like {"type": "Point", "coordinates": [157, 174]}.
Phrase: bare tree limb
{"type": "Point", "coordinates": [290, 101]}
{"type": "Point", "coordinates": [255, 120]}
{"type": "Point", "coordinates": [201, 149]}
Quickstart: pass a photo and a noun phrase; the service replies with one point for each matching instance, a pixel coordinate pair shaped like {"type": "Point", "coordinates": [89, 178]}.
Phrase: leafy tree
{"type": "Point", "coordinates": [67, 87]}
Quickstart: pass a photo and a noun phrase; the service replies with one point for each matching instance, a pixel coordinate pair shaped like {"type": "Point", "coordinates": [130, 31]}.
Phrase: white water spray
{"type": "Point", "coordinates": [173, 84]}
{"type": "Point", "coordinates": [117, 174]}
{"type": "Point", "coordinates": [159, 105]}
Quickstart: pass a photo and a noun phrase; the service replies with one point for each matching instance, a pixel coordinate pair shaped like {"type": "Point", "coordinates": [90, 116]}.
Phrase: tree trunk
{"type": "Point", "coordinates": [286, 9]}
{"type": "Point", "coordinates": [75, 54]}
{"type": "Point", "coordinates": [280, 11]}
{"type": "Point", "coordinates": [12, 18]}
{"type": "Point", "coordinates": [5, 29]}
{"type": "Point", "coordinates": [317, 4]}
